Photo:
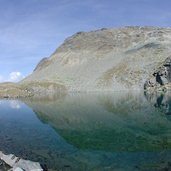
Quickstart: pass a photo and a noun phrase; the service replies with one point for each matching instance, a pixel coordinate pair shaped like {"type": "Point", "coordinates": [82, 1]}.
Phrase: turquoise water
{"type": "Point", "coordinates": [117, 131]}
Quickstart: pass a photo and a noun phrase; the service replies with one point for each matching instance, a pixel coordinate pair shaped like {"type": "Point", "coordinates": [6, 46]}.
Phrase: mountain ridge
{"type": "Point", "coordinates": [112, 59]}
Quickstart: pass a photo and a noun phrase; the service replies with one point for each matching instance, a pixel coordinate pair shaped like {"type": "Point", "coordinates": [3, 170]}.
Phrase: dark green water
{"type": "Point", "coordinates": [96, 132]}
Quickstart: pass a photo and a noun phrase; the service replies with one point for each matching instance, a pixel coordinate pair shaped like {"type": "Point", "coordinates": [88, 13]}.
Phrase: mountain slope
{"type": "Point", "coordinates": [106, 59]}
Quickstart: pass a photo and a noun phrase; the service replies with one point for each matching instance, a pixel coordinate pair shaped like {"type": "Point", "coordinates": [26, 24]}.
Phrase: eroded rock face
{"type": "Point", "coordinates": [161, 77]}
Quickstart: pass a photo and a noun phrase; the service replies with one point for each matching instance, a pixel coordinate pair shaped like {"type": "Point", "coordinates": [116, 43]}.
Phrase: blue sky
{"type": "Point", "coordinates": [33, 29]}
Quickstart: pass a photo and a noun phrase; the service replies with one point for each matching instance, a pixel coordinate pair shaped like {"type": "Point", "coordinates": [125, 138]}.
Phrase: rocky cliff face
{"type": "Point", "coordinates": [161, 78]}
{"type": "Point", "coordinates": [108, 59]}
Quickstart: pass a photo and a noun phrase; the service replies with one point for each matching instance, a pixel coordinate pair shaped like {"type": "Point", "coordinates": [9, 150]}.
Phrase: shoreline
{"type": "Point", "coordinates": [13, 163]}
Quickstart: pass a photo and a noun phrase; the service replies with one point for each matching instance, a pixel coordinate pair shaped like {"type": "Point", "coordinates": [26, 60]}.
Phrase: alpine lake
{"type": "Point", "coordinates": [118, 131]}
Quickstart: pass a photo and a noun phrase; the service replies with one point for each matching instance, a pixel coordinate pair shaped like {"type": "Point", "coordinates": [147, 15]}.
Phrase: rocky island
{"type": "Point", "coordinates": [129, 58]}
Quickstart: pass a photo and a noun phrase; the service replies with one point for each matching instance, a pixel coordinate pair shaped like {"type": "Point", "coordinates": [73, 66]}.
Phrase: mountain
{"type": "Point", "coordinates": [129, 58]}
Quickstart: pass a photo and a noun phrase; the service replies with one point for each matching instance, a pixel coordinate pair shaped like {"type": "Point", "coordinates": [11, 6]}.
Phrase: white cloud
{"type": "Point", "coordinates": [15, 76]}
{"type": "Point", "coordinates": [12, 77]}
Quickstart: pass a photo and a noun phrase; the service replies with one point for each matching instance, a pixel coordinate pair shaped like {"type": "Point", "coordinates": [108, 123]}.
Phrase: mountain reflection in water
{"type": "Point", "coordinates": [118, 131]}
{"type": "Point", "coordinates": [161, 101]}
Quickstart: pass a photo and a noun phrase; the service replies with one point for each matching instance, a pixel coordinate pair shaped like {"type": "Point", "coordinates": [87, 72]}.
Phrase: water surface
{"type": "Point", "coordinates": [117, 131]}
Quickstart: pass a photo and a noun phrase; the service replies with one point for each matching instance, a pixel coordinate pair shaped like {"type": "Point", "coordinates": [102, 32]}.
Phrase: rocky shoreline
{"type": "Point", "coordinates": [12, 163]}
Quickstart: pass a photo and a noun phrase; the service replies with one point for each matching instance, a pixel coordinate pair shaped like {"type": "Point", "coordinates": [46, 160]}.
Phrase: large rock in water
{"type": "Point", "coordinates": [107, 59]}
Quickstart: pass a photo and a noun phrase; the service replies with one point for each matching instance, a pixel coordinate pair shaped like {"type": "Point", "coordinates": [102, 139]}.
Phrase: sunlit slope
{"type": "Point", "coordinates": [106, 59]}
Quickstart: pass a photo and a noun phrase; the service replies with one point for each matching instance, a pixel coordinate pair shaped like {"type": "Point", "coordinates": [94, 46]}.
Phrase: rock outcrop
{"type": "Point", "coordinates": [161, 78]}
